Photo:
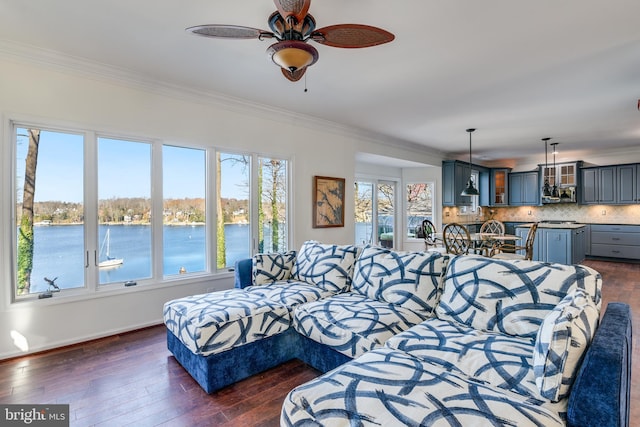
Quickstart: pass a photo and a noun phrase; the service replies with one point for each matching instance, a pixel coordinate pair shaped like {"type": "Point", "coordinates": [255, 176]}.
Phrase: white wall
{"type": "Point", "coordinates": [69, 96]}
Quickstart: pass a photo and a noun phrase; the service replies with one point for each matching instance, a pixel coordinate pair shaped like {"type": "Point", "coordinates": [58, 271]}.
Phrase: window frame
{"type": "Point", "coordinates": [92, 288]}
{"type": "Point", "coordinates": [376, 182]}
{"type": "Point", "coordinates": [434, 215]}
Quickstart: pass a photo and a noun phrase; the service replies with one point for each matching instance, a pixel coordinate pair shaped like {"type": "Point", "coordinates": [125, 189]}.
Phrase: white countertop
{"type": "Point", "coordinates": [568, 225]}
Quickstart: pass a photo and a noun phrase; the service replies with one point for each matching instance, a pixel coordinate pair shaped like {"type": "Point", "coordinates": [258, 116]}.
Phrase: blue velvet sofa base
{"type": "Point", "coordinates": [601, 394]}
{"type": "Point", "coordinates": [320, 356]}
{"type": "Point", "coordinates": [219, 370]}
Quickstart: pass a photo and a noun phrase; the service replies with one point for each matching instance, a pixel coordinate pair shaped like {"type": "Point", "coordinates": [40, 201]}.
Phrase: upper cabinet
{"type": "Point", "coordinates": [492, 184]}
{"type": "Point", "coordinates": [454, 180]}
{"type": "Point", "coordinates": [566, 177]}
{"type": "Point", "coordinates": [524, 189]}
{"type": "Point", "coordinates": [499, 187]}
{"type": "Point", "coordinates": [589, 188]}
{"type": "Point", "coordinates": [455, 176]}
{"type": "Point", "coordinates": [628, 183]}
{"type": "Point", "coordinates": [610, 185]}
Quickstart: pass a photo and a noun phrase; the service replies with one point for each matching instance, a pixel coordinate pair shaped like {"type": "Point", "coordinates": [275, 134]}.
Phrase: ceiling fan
{"type": "Point", "coordinates": [292, 27]}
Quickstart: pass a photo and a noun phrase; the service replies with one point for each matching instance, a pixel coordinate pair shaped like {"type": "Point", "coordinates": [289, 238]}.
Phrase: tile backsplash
{"type": "Point", "coordinates": [590, 214]}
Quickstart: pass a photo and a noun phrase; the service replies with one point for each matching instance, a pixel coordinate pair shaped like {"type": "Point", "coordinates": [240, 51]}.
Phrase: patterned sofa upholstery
{"type": "Point", "coordinates": [415, 338]}
{"type": "Point", "coordinates": [504, 347]}
{"type": "Point", "coordinates": [391, 292]}
{"type": "Point", "coordinates": [223, 337]}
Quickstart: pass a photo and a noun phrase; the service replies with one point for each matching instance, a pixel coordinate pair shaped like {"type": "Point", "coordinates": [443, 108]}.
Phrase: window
{"type": "Point", "coordinates": [232, 205]}
{"type": "Point", "coordinates": [375, 210]}
{"type": "Point", "coordinates": [272, 213]}
{"type": "Point", "coordinates": [49, 210]}
{"type": "Point", "coordinates": [364, 213]}
{"type": "Point", "coordinates": [184, 210]}
{"type": "Point", "coordinates": [385, 204]}
{"type": "Point", "coordinates": [475, 200]}
{"type": "Point", "coordinates": [419, 198]}
{"type": "Point", "coordinates": [124, 210]}
{"type": "Point", "coordinates": [95, 211]}
{"type": "Point", "coordinates": [235, 211]}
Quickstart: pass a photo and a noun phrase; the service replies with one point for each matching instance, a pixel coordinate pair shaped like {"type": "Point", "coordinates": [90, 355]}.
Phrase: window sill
{"type": "Point", "coordinates": [104, 291]}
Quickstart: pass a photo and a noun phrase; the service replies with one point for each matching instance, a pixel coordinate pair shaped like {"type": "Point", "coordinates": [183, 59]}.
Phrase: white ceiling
{"type": "Point", "coordinates": [516, 70]}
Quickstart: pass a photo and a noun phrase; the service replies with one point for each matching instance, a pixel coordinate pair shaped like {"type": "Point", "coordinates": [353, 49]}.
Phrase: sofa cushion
{"type": "Point", "coordinates": [500, 360]}
{"type": "Point", "coordinates": [561, 343]}
{"type": "Point", "coordinates": [353, 324]}
{"type": "Point", "coordinates": [217, 321]}
{"type": "Point", "coordinates": [408, 279]}
{"type": "Point", "coordinates": [512, 297]}
{"type": "Point", "coordinates": [290, 293]}
{"type": "Point", "coordinates": [327, 266]}
{"type": "Point", "coordinates": [271, 267]}
{"type": "Point", "coordinates": [386, 387]}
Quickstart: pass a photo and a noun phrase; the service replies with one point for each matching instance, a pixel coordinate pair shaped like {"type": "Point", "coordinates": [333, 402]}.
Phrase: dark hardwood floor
{"type": "Point", "coordinates": [131, 379]}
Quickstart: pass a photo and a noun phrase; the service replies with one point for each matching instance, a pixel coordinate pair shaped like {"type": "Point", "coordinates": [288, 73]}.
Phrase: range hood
{"type": "Point", "coordinates": [566, 195]}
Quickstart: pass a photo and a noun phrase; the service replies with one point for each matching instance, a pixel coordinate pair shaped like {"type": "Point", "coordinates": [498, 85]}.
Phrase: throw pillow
{"type": "Point", "coordinates": [269, 268]}
{"type": "Point", "coordinates": [326, 266]}
{"type": "Point", "coordinates": [409, 279]}
{"type": "Point", "coordinates": [562, 340]}
{"type": "Point", "coordinates": [510, 297]}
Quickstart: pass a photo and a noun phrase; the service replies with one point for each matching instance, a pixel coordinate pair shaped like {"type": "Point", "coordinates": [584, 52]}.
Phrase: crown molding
{"type": "Point", "coordinates": [54, 60]}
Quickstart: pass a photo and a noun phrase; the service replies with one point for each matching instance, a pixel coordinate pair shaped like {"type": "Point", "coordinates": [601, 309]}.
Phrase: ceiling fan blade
{"type": "Point", "coordinates": [229, 32]}
{"type": "Point", "coordinates": [293, 76]}
{"type": "Point", "coordinates": [351, 36]}
{"type": "Point", "coordinates": [296, 8]}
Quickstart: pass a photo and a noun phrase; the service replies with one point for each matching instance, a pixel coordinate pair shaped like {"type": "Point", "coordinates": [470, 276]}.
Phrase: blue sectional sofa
{"type": "Point", "coordinates": [414, 338]}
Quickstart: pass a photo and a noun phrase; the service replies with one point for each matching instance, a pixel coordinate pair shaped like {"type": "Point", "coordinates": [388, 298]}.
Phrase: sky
{"type": "Point", "coordinates": [123, 169]}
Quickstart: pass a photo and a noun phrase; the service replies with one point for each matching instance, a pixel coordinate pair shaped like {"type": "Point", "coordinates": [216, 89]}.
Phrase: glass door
{"type": "Point", "coordinates": [386, 213]}
{"type": "Point", "coordinates": [375, 213]}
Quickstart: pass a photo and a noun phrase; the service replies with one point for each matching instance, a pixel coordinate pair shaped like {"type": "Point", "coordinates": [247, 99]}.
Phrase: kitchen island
{"type": "Point", "coordinates": [561, 242]}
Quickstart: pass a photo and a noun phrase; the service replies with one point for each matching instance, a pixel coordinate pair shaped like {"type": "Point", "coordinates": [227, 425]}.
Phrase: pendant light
{"type": "Point", "coordinates": [546, 189]}
{"type": "Point", "coordinates": [470, 190]}
{"type": "Point", "coordinates": [555, 194]}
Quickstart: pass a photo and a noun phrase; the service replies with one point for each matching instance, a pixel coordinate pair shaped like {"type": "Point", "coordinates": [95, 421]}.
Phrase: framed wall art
{"type": "Point", "coordinates": [328, 202]}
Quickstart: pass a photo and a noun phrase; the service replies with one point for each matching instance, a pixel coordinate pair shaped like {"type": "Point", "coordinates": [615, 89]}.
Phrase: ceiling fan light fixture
{"type": "Point", "coordinates": [292, 55]}
{"type": "Point", "coordinates": [293, 26]}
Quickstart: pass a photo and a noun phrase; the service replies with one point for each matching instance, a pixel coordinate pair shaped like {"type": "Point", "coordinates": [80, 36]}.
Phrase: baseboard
{"type": "Point", "coordinates": [79, 340]}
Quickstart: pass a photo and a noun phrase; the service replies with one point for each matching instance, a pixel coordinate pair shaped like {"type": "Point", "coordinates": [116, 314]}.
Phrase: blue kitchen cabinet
{"type": "Point", "coordinates": [524, 189]}
{"type": "Point", "coordinates": [556, 245]}
{"type": "Point", "coordinates": [454, 180]}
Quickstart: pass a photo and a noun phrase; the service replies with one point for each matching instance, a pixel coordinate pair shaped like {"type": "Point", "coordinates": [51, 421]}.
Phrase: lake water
{"type": "Point", "coordinates": [59, 252]}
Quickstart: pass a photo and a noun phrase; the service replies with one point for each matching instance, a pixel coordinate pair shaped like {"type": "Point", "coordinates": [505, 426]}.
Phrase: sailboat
{"type": "Point", "coordinates": [110, 261]}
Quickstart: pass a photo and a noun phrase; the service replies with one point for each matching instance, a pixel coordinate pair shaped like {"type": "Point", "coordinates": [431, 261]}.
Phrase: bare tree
{"type": "Point", "coordinates": [274, 194]}
{"type": "Point", "coordinates": [363, 202]}
{"type": "Point", "coordinates": [386, 199]}
{"type": "Point", "coordinates": [243, 161]}
{"type": "Point", "coordinates": [25, 239]}
{"type": "Point", "coordinates": [221, 257]}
